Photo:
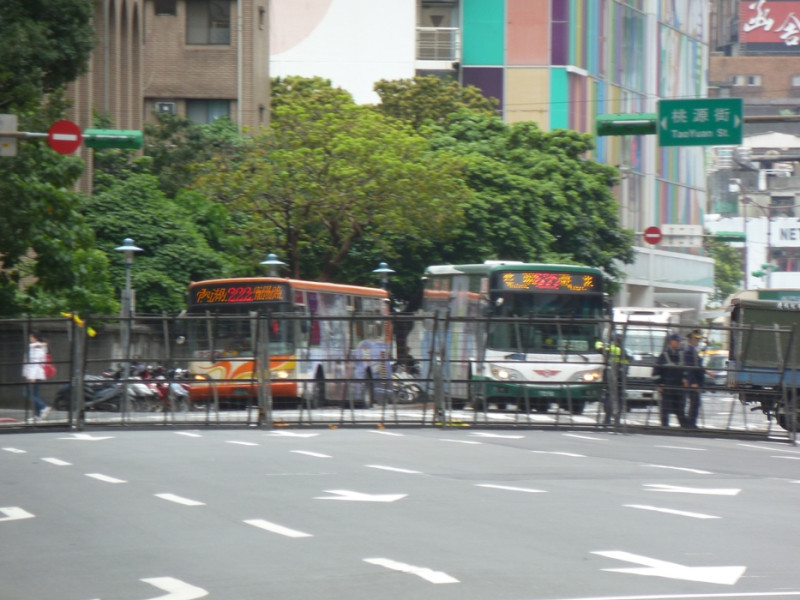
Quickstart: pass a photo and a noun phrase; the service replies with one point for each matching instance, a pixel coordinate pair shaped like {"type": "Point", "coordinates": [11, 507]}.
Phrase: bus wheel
{"type": "Point", "coordinates": [367, 392]}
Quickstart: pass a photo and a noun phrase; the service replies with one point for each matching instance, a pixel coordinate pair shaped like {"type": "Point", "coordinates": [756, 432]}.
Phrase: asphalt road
{"type": "Point", "coordinates": [400, 514]}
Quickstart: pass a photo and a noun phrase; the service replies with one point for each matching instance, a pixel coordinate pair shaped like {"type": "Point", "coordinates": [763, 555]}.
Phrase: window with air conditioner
{"type": "Point", "coordinates": [208, 22]}
{"type": "Point", "coordinates": [166, 107]}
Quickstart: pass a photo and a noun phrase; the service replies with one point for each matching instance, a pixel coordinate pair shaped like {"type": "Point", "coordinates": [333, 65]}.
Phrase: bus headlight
{"type": "Point", "coordinates": [280, 374]}
{"type": "Point", "coordinates": [505, 374]}
{"type": "Point", "coordinates": [593, 376]}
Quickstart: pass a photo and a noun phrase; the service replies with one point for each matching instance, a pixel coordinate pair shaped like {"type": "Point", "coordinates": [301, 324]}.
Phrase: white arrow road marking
{"type": "Point", "coordinates": [395, 469]}
{"type": "Point", "coordinates": [661, 568]}
{"type": "Point", "coordinates": [180, 500]}
{"type": "Point", "coordinates": [510, 488]}
{"type": "Point", "coordinates": [175, 588]}
{"type": "Point", "coordinates": [426, 574]}
{"type": "Point", "coordinates": [15, 450]}
{"type": "Point", "coordinates": [686, 469]}
{"type": "Point", "coordinates": [57, 462]}
{"type": "Point", "coordinates": [572, 454]}
{"type": "Point", "coordinates": [106, 478]}
{"type": "Point", "coordinates": [670, 511]}
{"type": "Point", "coordinates": [87, 437]}
{"type": "Point", "coordinates": [314, 454]}
{"type": "Point", "coordinates": [275, 528]}
{"type": "Point", "coordinates": [497, 435]}
{"type": "Point", "coordinates": [14, 513]}
{"type": "Point", "coordinates": [360, 497]}
{"type": "Point", "coordinates": [291, 434]}
{"type": "Point", "coordinates": [677, 489]}
{"type": "Point", "coordinates": [242, 443]}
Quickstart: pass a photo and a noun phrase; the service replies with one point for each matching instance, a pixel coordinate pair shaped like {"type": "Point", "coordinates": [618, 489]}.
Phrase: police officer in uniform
{"type": "Point", "coordinates": [695, 374]}
{"type": "Point", "coordinates": [669, 374]}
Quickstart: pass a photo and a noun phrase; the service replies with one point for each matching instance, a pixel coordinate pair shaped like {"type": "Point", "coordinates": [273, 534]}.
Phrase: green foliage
{"type": "Point", "coordinates": [175, 251]}
{"type": "Point", "coordinates": [430, 99]}
{"type": "Point", "coordinates": [44, 44]}
{"type": "Point", "coordinates": [728, 268]}
{"type": "Point", "coordinates": [329, 174]}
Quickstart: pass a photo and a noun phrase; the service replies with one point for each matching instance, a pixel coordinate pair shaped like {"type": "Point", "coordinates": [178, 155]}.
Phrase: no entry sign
{"type": "Point", "coordinates": [652, 235]}
{"type": "Point", "coordinates": [64, 137]}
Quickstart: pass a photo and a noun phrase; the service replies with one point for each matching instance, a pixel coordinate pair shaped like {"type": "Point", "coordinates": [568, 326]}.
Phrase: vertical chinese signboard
{"type": "Point", "coordinates": [769, 26]}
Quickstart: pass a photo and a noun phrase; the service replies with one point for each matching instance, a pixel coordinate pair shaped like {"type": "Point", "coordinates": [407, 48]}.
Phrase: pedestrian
{"type": "Point", "coordinates": [617, 360]}
{"type": "Point", "coordinates": [694, 376]}
{"type": "Point", "coordinates": [670, 374]}
{"type": "Point", "coordinates": [33, 372]}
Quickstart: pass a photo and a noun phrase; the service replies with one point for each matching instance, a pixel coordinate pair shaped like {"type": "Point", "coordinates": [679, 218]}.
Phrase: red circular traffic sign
{"type": "Point", "coordinates": [652, 235]}
{"type": "Point", "coordinates": [64, 137]}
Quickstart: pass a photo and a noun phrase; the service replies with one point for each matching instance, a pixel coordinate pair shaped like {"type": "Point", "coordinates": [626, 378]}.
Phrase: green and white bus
{"type": "Point", "coordinates": [506, 332]}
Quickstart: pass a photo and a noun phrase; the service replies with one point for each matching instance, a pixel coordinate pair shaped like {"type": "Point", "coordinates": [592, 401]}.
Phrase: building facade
{"type": "Point", "coordinates": [755, 187]}
{"type": "Point", "coordinates": [196, 58]}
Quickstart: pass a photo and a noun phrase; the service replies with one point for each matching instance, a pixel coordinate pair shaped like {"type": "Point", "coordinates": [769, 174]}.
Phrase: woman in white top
{"type": "Point", "coordinates": [33, 372]}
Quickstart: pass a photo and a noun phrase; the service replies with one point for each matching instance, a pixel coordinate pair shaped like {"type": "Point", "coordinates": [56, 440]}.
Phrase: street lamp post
{"type": "Point", "coordinates": [273, 262]}
{"type": "Point", "coordinates": [384, 271]}
{"type": "Point", "coordinates": [129, 250]}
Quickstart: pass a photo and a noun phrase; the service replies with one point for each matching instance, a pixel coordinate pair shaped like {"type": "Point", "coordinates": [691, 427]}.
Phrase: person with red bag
{"type": "Point", "coordinates": [33, 372]}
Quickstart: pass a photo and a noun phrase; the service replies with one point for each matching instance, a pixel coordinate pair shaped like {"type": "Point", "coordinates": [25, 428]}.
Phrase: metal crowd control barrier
{"type": "Point", "coordinates": [422, 398]}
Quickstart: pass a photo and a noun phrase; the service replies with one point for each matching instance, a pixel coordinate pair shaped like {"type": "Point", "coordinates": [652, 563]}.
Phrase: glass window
{"type": "Point", "coordinates": [166, 7]}
{"type": "Point", "coordinates": [796, 80]}
{"type": "Point", "coordinates": [208, 22]}
{"type": "Point", "coordinates": [206, 111]}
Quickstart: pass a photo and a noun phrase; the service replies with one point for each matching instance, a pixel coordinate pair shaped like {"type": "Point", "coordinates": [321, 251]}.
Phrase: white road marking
{"type": "Point", "coordinates": [57, 462]}
{"type": "Point", "coordinates": [14, 513]}
{"type": "Point", "coordinates": [314, 454]}
{"type": "Point", "coordinates": [586, 437]}
{"type": "Point", "coordinates": [178, 590]}
{"type": "Point", "coordinates": [497, 435]}
{"type": "Point", "coordinates": [677, 489]}
{"type": "Point", "coordinates": [661, 568]}
{"type": "Point", "coordinates": [746, 595]}
{"type": "Point", "coordinates": [425, 573]}
{"type": "Point", "coordinates": [188, 434]}
{"type": "Point", "coordinates": [510, 488]}
{"type": "Point", "coordinates": [275, 528]}
{"type": "Point", "coordinates": [15, 450]}
{"type": "Point", "coordinates": [87, 437]}
{"type": "Point", "coordinates": [106, 478]}
{"type": "Point", "coordinates": [770, 448]}
{"type": "Point", "coordinates": [395, 469]}
{"type": "Point", "coordinates": [386, 432]}
{"type": "Point", "coordinates": [179, 500]}
{"type": "Point", "coordinates": [670, 511]}
{"type": "Point", "coordinates": [572, 454]}
{"type": "Point", "coordinates": [291, 434]}
{"type": "Point", "coordinates": [242, 443]}
{"type": "Point", "coordinates": [787, 457]}
{"type": "Point", "coordinates": [685, 469]}
{"type": "Point", "coordinates": [360, 497]}
{"type": "Point", "coordinates": [460, 441]}
{"type": "Point", "coordinates": [681, 448]}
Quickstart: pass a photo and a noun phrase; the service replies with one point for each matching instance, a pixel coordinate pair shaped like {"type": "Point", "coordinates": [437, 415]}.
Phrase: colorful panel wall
{"type": "Point", "coordinates": [528, 95]}
{"type": "Point", "coordinates": [483, 32]}
{"type": "Point", "coordinates": [528, 32]}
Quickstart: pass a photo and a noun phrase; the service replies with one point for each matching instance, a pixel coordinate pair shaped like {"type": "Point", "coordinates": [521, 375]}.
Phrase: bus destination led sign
{"type": "Point", "coordinates": [549, 281]}
{"type": "Point", "coordinates": [232, 294]}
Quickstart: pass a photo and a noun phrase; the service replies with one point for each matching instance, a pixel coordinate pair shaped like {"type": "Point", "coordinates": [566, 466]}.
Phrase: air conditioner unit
{"type": "Point", "coordinates": [166, 107]}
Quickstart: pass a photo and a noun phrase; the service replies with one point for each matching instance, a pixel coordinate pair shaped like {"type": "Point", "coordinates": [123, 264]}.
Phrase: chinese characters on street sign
{"type": "Point", "coordinates": [700, 122]}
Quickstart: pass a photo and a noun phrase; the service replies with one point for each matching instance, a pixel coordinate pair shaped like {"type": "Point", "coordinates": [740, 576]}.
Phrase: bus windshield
{"type": "Point", "coordinates": [231, 336]}
{"type": "Point", "coordinates": [556, 322]}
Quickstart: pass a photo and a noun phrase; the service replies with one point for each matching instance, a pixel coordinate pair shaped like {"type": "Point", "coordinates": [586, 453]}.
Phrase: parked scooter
{"type": "Point", "coordinates": [405, 384]}
{"type": "Point", "coordinates": [100, 392]}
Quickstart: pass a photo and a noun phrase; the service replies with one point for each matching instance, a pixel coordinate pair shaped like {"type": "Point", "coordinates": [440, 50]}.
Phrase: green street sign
{"type": "Point", "coordinates": [113, 138]}
{"type": "Point", "coordinates": [700, 122]}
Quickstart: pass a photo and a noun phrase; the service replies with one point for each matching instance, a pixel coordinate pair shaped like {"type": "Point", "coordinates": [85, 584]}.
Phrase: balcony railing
{"type": "Point", "coordinates": [438, 43]}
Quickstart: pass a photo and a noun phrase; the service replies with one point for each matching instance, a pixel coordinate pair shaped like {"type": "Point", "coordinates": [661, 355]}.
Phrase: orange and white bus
{"type": "Point", "coordinates": [325, 342]}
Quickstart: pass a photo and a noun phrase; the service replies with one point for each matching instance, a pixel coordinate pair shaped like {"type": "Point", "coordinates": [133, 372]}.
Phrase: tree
{"type": "Point", "coordinates": [536, 197]}
{"type": "Point", "coordinates": [329, 174]}
{"type": "Point", "coordinates": [44, 44]}
{"type": "Point", "coordinates": [728, 269]}
{"type": "Point", "coordinates": [430, 99]}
